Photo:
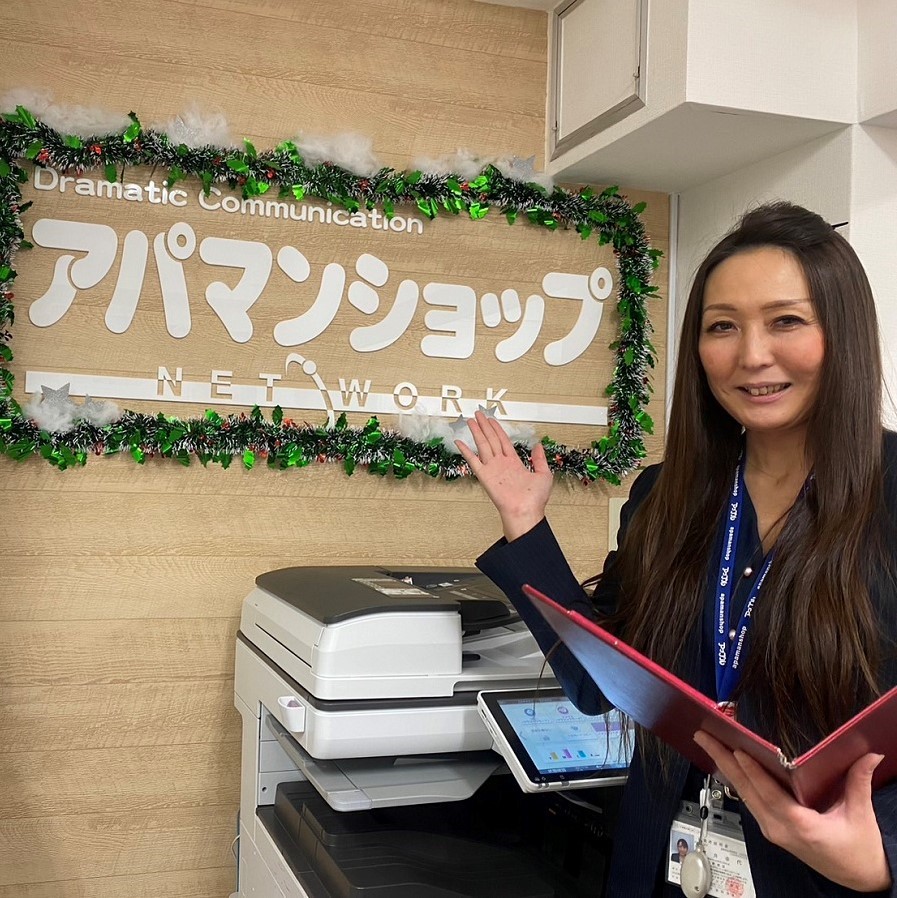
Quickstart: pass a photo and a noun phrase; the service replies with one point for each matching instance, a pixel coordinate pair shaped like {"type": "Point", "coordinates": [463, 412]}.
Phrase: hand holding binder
{"type": "Point", "coordinates": [675, 711]}
{"type": "Point", "coordinates": [843, 843]}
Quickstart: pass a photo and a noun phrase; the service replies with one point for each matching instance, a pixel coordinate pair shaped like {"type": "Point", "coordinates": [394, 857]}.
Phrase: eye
{"type": "Point", "coordinates": [789, 321]}
{"type": "Point", "coordinates": [719, 327]}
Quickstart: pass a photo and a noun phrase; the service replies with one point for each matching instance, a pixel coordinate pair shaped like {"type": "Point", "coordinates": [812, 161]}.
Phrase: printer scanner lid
{"type": "Point", "coordinates": [376, 632]}
{"type": "Point", "coordinates": [334, 594]}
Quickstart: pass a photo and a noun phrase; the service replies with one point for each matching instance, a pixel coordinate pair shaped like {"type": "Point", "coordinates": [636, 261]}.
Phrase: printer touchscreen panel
{"type": "Point", "coordinates": [548, 743]}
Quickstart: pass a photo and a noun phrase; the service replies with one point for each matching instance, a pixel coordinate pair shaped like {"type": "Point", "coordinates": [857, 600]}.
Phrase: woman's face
{"type": "Point", "coordinates": [761, 345]}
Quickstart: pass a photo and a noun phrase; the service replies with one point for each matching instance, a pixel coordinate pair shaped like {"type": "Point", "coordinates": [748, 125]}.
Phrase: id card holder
{"type": "Point", "coordinates": [723, 845]}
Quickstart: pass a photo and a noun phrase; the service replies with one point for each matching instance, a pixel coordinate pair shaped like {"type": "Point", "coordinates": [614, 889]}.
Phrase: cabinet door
{"type": "Point", "coordinates": [599, 64]}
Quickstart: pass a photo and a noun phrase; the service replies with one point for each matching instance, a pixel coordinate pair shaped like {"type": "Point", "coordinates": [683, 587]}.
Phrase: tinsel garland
{"type": "Point", "coordinates": [213, 438]}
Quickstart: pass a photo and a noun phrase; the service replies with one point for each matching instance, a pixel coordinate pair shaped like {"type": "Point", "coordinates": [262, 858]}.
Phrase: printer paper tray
{"type": "Point", "coordinates": [360, 784]}
{"type": "Point", "coordinates": [336, 729]}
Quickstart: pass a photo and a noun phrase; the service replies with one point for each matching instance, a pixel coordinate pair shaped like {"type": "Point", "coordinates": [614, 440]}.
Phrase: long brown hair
{"type": "Point", "coordinates": [814, 653]}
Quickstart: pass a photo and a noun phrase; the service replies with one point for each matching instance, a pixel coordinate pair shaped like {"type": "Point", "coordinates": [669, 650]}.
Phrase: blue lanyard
{"type": "Point", "coordinates": [728, 651]}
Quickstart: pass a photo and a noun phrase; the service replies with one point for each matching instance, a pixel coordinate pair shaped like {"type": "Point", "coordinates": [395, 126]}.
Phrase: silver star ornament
{"type": "Point", "coordinates": [458, 426]}
{"type": "Point", "coordinates": [57, 399]}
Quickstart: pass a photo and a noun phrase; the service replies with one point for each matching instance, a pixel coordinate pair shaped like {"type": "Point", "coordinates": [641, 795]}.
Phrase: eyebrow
{"type": "Point", "coordinates": [766, 307]}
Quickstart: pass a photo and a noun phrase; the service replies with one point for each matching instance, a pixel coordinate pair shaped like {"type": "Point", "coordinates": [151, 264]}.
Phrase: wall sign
{"type": "Point", "coordinates": [291, 307]}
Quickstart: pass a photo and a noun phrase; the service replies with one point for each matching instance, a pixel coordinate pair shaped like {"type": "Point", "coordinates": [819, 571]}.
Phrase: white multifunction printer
{"type": "Point", "coordinates": [367, 771]}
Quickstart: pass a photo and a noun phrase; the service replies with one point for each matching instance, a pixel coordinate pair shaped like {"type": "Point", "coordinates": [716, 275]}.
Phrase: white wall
{"type": "Point", "coordinates": [816, 175]}
{"type": "Point", "coordinates": [873, 234]}
{"type": "Point", "coordinates": [877, 86]}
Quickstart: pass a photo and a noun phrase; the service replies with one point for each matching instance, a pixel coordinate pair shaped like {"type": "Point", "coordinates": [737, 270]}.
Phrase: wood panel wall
{"type": "Point", "coordinates": [121, 585]}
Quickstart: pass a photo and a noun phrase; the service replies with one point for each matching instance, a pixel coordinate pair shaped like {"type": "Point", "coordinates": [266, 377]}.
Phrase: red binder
{"type": "Point", "coordinates": [674, 711]}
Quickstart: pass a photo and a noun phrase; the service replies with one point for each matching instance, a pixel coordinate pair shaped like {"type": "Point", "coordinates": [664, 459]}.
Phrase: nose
{"type": "Point", "coordinates": [755, 348]}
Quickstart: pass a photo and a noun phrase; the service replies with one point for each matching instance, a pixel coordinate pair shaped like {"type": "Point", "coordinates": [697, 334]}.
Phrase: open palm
{"type": "Point", "coordinates": [519, 494]}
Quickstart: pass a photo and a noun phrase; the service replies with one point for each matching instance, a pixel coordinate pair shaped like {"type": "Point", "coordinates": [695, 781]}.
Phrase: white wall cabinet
{"type": "Point", "coordinates": [598, 48]}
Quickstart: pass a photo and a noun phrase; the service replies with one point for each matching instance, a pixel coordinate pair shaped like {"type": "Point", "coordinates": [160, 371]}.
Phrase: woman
{"type": "Point", "coordinates": [777, 403]}
{"type": "Point", "coordinates": [680, 852]}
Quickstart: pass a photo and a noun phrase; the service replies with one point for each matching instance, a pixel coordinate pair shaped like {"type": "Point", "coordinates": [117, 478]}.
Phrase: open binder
{"type": "Point", "coordinates": [675, 711]}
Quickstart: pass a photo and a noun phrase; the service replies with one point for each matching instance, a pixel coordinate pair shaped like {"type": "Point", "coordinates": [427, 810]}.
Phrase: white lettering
{"type": "Point", "coordinates": [158, 194]}
{"type": "Point", "coordinates": [204, 200]}
{"type": "Point", "coordinates": [85, 187]}
{"type": "Point", "coordinates": [354, 391]}
{"type": "Point", "coordinates": [153, 193]}
{"type": "Point", "coordinates": [269, 385]}
{"type": "Point", "coordinates": [221, 383]}
{"type": "Point", "coordinates": [405, 395]}
{"type": "Point", "coordinates": [493, 400]}
{"type": "Point", "coordinates": [278, 210]}
{"type": "Point", "coordinates": [166, 380]}
{"type": "Point", "coordinates": [112, 190]}
{"type": "Point", "coordinates": [253, 207]}
{"type": "Point", "coordinates": [450, 396]}
{"type": "Point", "coordinates": [40, 178]}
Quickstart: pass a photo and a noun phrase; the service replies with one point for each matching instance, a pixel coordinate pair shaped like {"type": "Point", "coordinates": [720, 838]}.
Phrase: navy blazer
{"type": "Point", "coordinates": [650, 801]}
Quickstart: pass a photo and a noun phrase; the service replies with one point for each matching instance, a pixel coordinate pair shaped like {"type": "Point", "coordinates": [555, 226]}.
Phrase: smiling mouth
{"type": "Point", "coordinates": [765, 391]}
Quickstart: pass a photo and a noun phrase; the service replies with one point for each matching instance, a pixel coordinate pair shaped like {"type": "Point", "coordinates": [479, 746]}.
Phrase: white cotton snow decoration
{"type": "Point", "coordinates": [353, 152]}
{"type": "Point", "coordinates": [525, 434]}
{"type": "Point", "coordinates": [80, 120]}
{"type": "Point", "coordinates": [53, 418]}
{"type": "Point", "coordinates": [197, 128]}
{"type": "Point", "coordinates": [523, 170]}
{"type": "Point", "coordinates": [52, 409]}
{"type": "Point", "coordinates": [98, 413]}
{"type": "Point", "coordinates": [462, 163]}
{"type": "Point", "coordinates": [467, 166]}
{"type": "Point", "coordinates": [422, 427]}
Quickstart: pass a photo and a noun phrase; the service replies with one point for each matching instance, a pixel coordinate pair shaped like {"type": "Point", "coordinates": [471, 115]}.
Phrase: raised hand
{"type": "Point", "coordinates": [843, 843]}
{"type": "Point", "coordinates": [519, 494]}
